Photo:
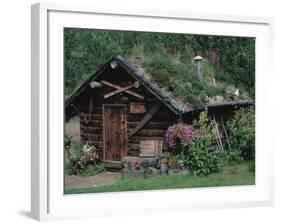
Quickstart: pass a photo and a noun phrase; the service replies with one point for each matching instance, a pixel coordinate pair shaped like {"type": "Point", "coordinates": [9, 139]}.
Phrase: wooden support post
{"type": "Point", "coordinates": [218, 133]}
{"type": "Point", "coordinates": [146, 118]}
{"type": "Point", "coordinates": [119, 87]}
{"type": "Point", "coordinates": [225, 132]}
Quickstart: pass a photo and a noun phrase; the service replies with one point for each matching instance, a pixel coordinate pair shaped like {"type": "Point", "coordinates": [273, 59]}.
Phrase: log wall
{"type": "Point", "coordinates": [91, 115]}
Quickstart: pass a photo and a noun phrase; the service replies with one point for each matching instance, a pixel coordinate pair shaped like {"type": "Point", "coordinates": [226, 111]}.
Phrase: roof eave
{"type": "Point", "coordinates": [221, 105]}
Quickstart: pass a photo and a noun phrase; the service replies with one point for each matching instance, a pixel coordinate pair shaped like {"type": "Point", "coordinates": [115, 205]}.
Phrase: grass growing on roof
{"type": "Point", "coordinates": [168, 57]}
{"type": "Point", "coordinates": [241, 174]}
{"type": "Point", "coordinates": [180, 77]}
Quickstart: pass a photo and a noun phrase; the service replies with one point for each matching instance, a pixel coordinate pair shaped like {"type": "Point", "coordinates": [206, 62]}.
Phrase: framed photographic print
{"type": "Point", "coordinates": [148, 111]}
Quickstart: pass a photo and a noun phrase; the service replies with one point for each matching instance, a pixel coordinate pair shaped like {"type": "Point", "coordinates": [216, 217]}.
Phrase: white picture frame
{"type": "Point", "coordinates": [48, 200]}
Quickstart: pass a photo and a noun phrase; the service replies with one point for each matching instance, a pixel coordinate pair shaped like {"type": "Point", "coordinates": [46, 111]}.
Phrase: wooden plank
{"type": "Point", "coordinates": [118, 91]}
{"type": "Point", "coordinates": [126, 91]}
{"type": "Point", "coordinates": [146, 118]}
{"type": "Point", "coordinates": [112, 164]}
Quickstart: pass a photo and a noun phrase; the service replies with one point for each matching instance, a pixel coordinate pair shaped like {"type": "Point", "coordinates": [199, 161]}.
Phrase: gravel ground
{"type": "Point", "coordinates": [104, 178]}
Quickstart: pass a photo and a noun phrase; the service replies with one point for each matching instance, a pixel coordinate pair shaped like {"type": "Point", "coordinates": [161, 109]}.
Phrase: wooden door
{"type": "Point", "coordinates": [115, 132]}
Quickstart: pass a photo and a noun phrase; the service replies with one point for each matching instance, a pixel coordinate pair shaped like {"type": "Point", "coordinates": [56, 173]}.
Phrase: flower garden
{"type": "Point", "coordinates": [194, 156]}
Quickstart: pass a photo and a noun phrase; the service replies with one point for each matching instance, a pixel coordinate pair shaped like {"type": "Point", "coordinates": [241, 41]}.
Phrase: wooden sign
{"type": "Point", "coordinates": [150, 148]}
{"type": "Point", "coordinates": [137, 108]}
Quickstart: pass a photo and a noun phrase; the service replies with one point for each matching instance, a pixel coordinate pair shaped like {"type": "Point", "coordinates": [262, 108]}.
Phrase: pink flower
{"type": "Point", "coordinates": [179, 133]}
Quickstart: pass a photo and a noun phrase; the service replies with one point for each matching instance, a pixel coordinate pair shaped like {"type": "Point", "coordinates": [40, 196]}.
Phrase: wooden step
{"type": "Point", "coordinates": [109, 164]}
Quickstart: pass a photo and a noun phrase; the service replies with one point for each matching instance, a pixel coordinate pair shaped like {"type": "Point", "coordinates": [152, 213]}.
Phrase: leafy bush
{"type": "Point", "coordinates": [94, 169]}
{"type": "Point", "coordinates": [178, 136]}
{"type": "Point", "coordinates": [252, 166]}
{"type": "Point", "coordinates": [201, 157]}
{"type": "Point", "coordinates": [241, 129]}
{"type": "Point", "coordinates": [234, 157]}
{"type": "Point", "coordinates": [84, 160]}
{"type": "Point", "coordinates": [177, 161]}
{"type": "Point", "coordinates": [201, 160]}
{"type": "Point", "coordinates": [193, 146]}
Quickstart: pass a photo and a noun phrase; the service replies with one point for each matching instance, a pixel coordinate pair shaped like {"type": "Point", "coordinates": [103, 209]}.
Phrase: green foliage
{"type": "Point", "coordinates": [181, 79]}
{"type": "Point", "coordinates": [177, 161]}
{"type": "Point", "coordinates": [168, 57]}
{"type": "Point", "coordinates": [201, 157]}
{"type": "Point", "coordinates": [237, 58]}
{"type": "Point", "coordinates": [204, 130]}
{"type": "Point", "coordinates": [84, 160]}
{"type": "Point", "coordinates": [241, 129]}
{"type": "Point", "coordinates": [252, 166]}
{"type": "Point", "coordinates": [68, 169]}
{"type": "Point", "coordinates": [234, 157]}
{"type": "Point", "coordinates": [95, 169]}
{"type": "Point", "coordinates": [201, 160]}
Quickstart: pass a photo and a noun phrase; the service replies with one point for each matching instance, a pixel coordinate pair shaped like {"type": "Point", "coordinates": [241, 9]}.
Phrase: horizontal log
{"type": "Point", "coordinates": [112, 164]}
{"type": "Point", "coordinates": [85, 110]}
{"type": "Point", "coordinates": [91, 130]}
{"type": "Point", "coordinates": [151, 125]}
{"type": "Point", "coordinates": [151, 132]}
{"type": "Point", "coordinates": [156, 118]}
{"type": "Point", "coordinates": [133, 146]}
{"type": "Point", "coordinates": [137, 139]}
{"type": "Point", "coordinates": [133, 153]}
{"type": "Point", "coordinates": [131, 124]}
{"type": "Point", "coordinates": [96, 85]}
{"type": "Point", "coordinates": [92, 137]}
{"type": "Point", "coordinates": [93, 116]}
{"type": "Point", "coordinates": [98, 109]}
{"type": "Point", "coordinates": [93, 123]}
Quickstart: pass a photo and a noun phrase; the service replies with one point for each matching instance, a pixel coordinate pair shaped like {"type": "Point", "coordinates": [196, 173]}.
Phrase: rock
{"type": "Point", "coordinates": [145, 161]}
{"type": "Point", "coordinates": [177, 171]}
{"type": "Point", "coordinates": [150, 172]}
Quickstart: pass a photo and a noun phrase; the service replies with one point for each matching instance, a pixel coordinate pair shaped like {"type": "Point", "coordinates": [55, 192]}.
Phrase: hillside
{"type": "Point", "coordinates": [228, 62]}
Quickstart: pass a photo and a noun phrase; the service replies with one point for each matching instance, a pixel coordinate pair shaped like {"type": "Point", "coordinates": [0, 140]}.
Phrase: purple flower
{"type": "Point", "coordinates": [179, 133]}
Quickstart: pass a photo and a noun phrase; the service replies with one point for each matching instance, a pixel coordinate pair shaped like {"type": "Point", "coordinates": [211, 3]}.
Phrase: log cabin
{"type": "Point", "coordinates": [120, 110]}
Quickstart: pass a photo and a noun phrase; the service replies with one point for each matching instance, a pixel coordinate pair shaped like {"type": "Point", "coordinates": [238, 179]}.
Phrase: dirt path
{"type": "Point", "coordinates": [104, 178]}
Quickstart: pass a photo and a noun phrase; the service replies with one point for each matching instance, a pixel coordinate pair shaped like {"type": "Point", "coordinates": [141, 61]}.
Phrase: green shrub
{"type": "Point", "coordinates": [241, 129]}
{"type": "Point", "coordinates": [201, 160]}
{"type": "Point", "coordinates": [177, 161]}
{"type": "Point", "coordinates": [84, 160]}
{"type": "Point", "coordinates": [252, 166]}
{"type": "Point", "coordinates": [95, 169]}
{"type": "Point", "coordinates": [234, 157]}
{"type": "Point", "coordinates": [201, 157]}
